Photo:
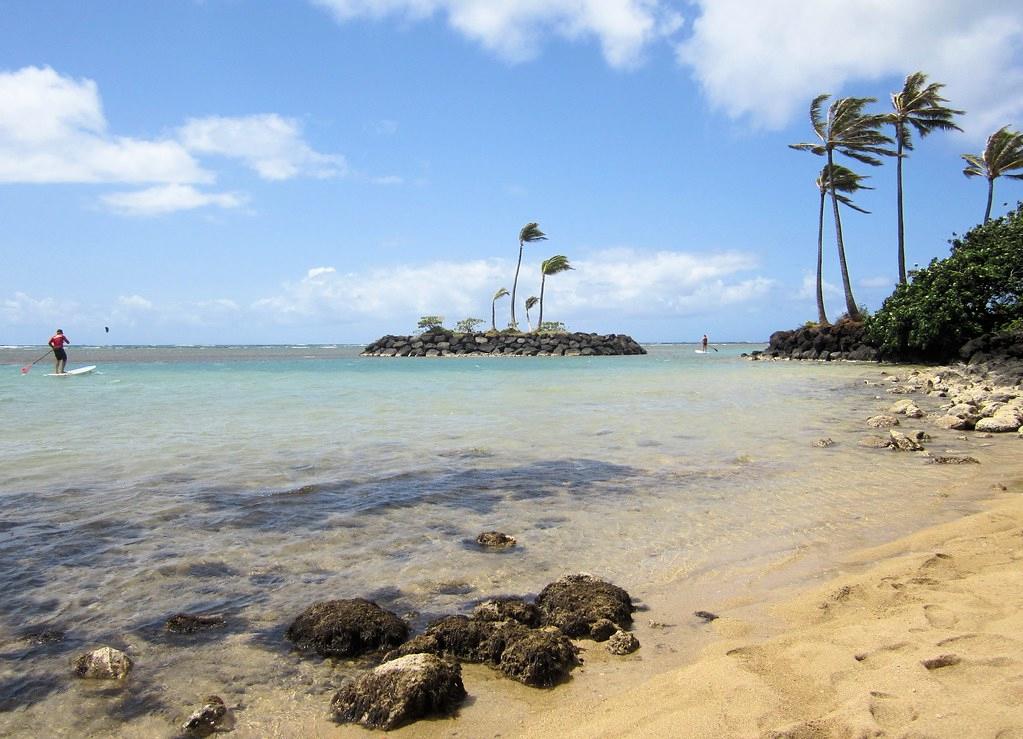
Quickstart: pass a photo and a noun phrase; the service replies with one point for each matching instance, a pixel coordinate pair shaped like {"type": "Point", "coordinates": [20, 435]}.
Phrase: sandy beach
{"type": "Point", "coordinates": [920, 637]}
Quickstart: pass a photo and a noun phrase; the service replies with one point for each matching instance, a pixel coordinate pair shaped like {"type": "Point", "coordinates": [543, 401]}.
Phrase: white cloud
{"type": "Point", "coordinates": [808, 289]}
{"type": "Point", "coordinates": [319, 271]}
{"type": "Point", "coordinates": [135, 303]}
{"type": "Point", "coordinates": [23, 308]}
{"type": "Point", "coordinates": [879, 281]}
{"type": "Point", "coordinates": [168, 199]}
{"type": "Point", "coordinates": [625, 281]}
{"type": "Point", "coordinates": [269, 144]}
{"type": "Point", "coordinates": [52, 129]}
{"type": "Point", "coordinates": [514, 29]}
{"type": "Point", "coordinates": [765, 61]}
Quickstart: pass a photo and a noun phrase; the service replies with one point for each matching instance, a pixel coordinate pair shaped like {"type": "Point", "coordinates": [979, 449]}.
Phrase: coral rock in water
{"type": "Point", "coordinates": [576, 602]}
{"type": "Point", "coordinates": [539, 658]}
{"type": "Point", "coordinates": [347, 628]}
{"type": "Point", "coordinates": [105, 663]}
{"type": "Point", "coordinates": [622, 643]}
{"type": "Point", "coordinates": [495, 540]}
{"type": "Point", "coordinates": [401, 691]}
{"type": "Point", "coordinates": [189, 623]}
{"type": "Point", "coordinates": [212, 717]}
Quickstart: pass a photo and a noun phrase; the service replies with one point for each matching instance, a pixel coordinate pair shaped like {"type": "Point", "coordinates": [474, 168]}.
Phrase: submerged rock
{"type": "Point", "coordinates": [105, 663]}
{"type": "Point", "coordinates": [496, 540]}
{"type": "Point", "coordinates": [882, 422]}
{"type": "Point", "coordinates": [539, 658]}
{"type": "Point", "coordinates": [876, 442]}
{"type": "Point", "coordinates": [401, 691]}
{"type": "Point", "coordinates": [905, 443]}
{"type": "Point", "coordinates": [576, 602]}
{"type": "Point", "coordinates": [211, 717]}
{"type": "Point", "coordinates": [189, 623]}
{"type": "Point", "coordinates": [622, 643]}
{"type": "Point", "coordinates": [347, 628]}
{"type": "Point", "coordinates": [953, 460]}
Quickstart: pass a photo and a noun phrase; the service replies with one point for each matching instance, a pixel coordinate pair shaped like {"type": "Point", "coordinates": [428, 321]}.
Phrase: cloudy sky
{"type": "Point", "coordinates": [234, 171]}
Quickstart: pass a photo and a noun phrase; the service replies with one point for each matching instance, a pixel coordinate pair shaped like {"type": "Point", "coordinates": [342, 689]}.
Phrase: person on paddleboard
{"type": "Point", "coordinates": [704, 342]}
{"type": "Point", "coordinates": [57, 342]}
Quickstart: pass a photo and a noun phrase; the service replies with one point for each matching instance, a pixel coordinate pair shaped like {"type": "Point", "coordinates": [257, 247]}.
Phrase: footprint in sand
{"type": "Point", "coordinates": [890, 711]}
{"type": "Point", "coordinates": [939, 617]}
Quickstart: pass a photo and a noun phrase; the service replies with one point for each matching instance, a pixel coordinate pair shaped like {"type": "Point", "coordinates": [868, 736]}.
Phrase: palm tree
{"type": "Point", "coordinates": [843, 180]}
{"type": "Point", "coordinates": [530, 302]}
{"type": "Point", "coordinates": [530, 232]}
{"type": "Point", "coordinates": [493, 306]}
{"type": "Point", "coordinates": [1002, 154]}
{"type": "Point", "coordinates": [918, 106]}
{"type": "Point", "coordinates": [552, 266]}
{"type": "Point", "coordinates": [846, 129]}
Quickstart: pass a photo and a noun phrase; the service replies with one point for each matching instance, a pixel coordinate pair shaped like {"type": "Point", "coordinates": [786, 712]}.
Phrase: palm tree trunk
{"type": "Point", "coordinates": [539, 321]}
{"type": "Point", "coordinates": [990, 197]}
{"type": "Point", "coordinates": [902, 232]}
{"type": "Point", "coordinates": [822, 317]}
{"type": "Point", "coordinates": [515, 285]}
{"type": "Point", "coordinates": [850, 302]}
{"type": "Point", "coordinates": [493, 314]}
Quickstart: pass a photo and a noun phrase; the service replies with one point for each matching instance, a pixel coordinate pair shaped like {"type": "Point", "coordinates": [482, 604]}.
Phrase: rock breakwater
{"type": "Point", "coordinates": [444, 343]}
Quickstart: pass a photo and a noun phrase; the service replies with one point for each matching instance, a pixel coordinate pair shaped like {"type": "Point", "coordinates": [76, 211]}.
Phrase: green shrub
{"type": "Point", "coordinates": [426, 323]}
{"type": "Point", "coordinates": [468, 325]}
{"type": "Point", "coordinates": [977, 289]}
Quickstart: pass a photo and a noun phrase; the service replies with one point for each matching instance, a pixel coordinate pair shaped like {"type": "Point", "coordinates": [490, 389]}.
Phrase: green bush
{"type": "Point", "coordinates": [552, 327]}
{"type": "Point", "coordinates": [426, 323]}
{"type": "Point", "coordinates": [468, 325]}
{"type": "Point", "coordinates": [978, 289]}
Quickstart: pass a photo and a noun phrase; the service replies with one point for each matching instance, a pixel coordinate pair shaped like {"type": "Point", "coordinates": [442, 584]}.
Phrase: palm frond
{"type": "Point", "coordinates": [1002, 156]}
{"type": "Point", "coordinates": [531, 232]}
{"type": "Point", "coordinates": [501, 293]}
{"type": "Point", "coordinates": [554, 265]}
{"type": "Point", "coordinates": [531, 301]}
{"type": "Point", "coordinates": [920, 106]}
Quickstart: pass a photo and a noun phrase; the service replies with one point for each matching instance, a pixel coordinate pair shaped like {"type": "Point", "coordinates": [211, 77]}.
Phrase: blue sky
{"type": "Point", "coordinates": [234, 171]}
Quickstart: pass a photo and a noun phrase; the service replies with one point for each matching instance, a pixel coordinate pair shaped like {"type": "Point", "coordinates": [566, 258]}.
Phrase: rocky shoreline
{"type": "Point", "coordinates": [445, 343]}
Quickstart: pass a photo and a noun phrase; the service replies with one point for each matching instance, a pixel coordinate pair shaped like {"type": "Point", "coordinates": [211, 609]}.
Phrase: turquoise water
{"type": "Point", "coordinates": [253, 481]}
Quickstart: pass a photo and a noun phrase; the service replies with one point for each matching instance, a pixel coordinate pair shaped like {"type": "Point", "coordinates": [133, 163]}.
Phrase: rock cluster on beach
{"type": "Point", "coordinates": [444, 343]}
{"type": "Point", "coordinates": [421, 676]}
{"type": "Point", "coordinates": [981, 396]}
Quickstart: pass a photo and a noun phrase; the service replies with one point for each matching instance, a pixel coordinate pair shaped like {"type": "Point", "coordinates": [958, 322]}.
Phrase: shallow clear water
{"type": "Point", "coordinates": [254, 481]}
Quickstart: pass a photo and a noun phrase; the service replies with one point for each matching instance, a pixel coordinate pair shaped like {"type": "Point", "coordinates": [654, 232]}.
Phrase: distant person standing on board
{"type": "Point", "coordinates": [57, 342]}
{"type": "Point", "coordinates": [704, 342]}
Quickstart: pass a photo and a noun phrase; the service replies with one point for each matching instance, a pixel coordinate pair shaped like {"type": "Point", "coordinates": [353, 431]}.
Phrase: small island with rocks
{"type": "Point", "coordinates": [442, 342]}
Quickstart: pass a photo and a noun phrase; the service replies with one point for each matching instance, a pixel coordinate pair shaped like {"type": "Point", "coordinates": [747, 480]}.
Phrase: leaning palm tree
{"type": "Point", "coordinates": [530, 302]}
{"type": "Point", "coordinates": [552, 266]}
{"type": "Point", "coordinates": [493, 306]}
{"type": "Point", "coordinates": [1002, 155]}
{"type": "Point", "coordinates": [918, 105]}
{"type": "Point", "coordinates": [530, 232]}
{"type": "Point", "coordinates": [845, 181]}
{"type": "Point", "coordinates": [847, 129]}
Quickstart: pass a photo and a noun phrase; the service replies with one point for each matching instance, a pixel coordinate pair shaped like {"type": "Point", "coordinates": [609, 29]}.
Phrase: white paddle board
{"type": "Point", "coordinates": [699, 351]}
{"type": "Point", "coordinates": [79, 371]}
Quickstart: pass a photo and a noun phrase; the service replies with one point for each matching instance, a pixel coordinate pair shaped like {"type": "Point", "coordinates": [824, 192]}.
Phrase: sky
{"type": "Point", "coordinates": [328, 171]}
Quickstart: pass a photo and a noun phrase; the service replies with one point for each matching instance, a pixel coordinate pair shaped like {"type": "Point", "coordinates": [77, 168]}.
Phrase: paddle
{"type": "Point", "coordinates": [27, 367]}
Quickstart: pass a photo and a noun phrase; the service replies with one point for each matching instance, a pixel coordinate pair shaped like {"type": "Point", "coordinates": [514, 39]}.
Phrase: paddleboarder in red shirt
{"type": "Point", "coordinates": [57, 342]}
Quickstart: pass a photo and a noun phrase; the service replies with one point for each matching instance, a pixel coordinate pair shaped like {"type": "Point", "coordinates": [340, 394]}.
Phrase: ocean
{"type": "Point", "coordinates": [255, 481]}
